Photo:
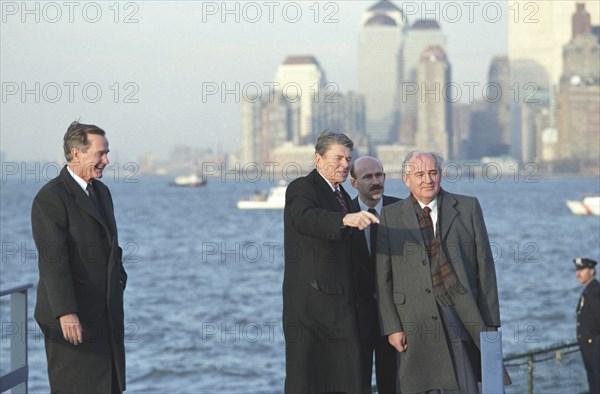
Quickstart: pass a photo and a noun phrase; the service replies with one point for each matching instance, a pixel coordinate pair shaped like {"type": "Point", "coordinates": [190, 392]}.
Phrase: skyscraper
{"type": "Point", "coordinates": [421, 35]}
{"type": "Point", "coordinates": [299, 80]}
{"type": "Point", "coordinates": [499, 97]}
{"type": "Point", "coordinates": [537, 31]}
{"type": "Point", "coordinates": [251, 128]}
{"type": "Point", "coordinates": [379, 69]}
{"type": "Point", "coordinates": [579, 98]}
{"type": "Point", "coordinates": [434, 113]}
{"type": "Point", "coordinates": [536, 34]}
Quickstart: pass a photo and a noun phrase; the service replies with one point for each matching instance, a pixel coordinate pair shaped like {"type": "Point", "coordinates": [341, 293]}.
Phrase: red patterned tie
{"type": "Point", "coordinates": [342, 200]}
{"type": "Point", "coordinates": [426, 209]}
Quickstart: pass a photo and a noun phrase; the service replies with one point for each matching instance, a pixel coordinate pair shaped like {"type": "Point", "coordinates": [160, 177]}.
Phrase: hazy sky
{"type": "Point", "coordinates": [143, 82]}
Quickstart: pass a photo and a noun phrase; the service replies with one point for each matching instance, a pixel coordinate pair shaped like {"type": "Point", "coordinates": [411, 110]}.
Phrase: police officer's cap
{"type": "Point", "coordinates": [582, 262]}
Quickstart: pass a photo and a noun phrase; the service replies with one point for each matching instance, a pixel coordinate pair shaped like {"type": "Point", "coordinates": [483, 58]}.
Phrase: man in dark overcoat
{"type": "Point", "coordinates": [319, 296]}
{"type": "Point", "coordinates": [368, 178]}
{"type": "Point", "coordinates": [436, 282]}
{"type": "Point", "coordinates": [81, 276]}
{"type": "Point", "coordinates": [588, 320]}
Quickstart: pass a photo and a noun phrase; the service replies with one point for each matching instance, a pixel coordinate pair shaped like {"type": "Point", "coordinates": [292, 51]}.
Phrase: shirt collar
{"type": "Point", "coordinates": [78, 179]}
{"type": "Point", "coordinates": [365, 207]}
{"type": "Point", "coordinates": [329, 183]}
{"type": "Point", "coordinates": [432, 204]}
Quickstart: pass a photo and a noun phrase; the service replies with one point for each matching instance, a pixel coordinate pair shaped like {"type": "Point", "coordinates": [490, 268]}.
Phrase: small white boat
{"type": "Point", "coordinates": [274, 199]}
{"type": "Point", "coordinates": [192, 180]}
{"type": "Point", "coordinates": [588, 206]}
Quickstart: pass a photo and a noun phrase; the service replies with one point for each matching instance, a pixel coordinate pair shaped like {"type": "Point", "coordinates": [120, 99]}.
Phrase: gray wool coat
{"type": "Point", "coordinates": [405, 292]}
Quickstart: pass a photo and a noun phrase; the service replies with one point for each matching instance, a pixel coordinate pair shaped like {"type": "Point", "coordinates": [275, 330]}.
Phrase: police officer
{"type": "Point", "coordinates": [588, 320]}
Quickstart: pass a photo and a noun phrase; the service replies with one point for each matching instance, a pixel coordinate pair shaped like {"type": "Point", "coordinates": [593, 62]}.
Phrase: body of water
{"type": "Point", "coordinates": [203, 299]}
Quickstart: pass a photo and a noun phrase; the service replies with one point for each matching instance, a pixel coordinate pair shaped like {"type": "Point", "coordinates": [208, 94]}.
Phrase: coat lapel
{"type": "Point", "coordinates": [104, 201]}
{"type": "Point", "coordinates": [407, 218]}
{"type": "Point", "coordinates": [447, 210]}
{"type": "Point", "coordinates": [328, 193]}
{"type": "Point", "coordinates": [82, 199]}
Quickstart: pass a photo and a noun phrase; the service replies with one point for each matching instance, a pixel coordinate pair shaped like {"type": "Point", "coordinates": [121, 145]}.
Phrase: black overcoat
{"type": "Point", "coordinates": [588, 332]}
{"type": "Point", "coordinates": [80, 271]}
{"type": "Point", "coordinates": [319, 311]}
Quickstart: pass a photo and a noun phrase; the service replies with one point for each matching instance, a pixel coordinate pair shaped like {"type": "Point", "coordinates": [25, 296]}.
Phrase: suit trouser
{"type": "Point", "coordinates": [591, 360]}
{"type": "Point", "coordinates": [385, 364]}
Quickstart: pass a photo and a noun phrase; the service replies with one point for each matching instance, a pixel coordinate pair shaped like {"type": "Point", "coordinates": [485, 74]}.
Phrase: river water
{"type": "Point", "coordinates": [203, 300]}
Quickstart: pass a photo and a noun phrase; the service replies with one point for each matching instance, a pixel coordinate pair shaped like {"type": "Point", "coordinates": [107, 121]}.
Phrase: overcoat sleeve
{"type": "Point", "coordinates": [49, 226]}
{"type": "Point", "coordinates": [388, 315]}
{"type": "Point", "coordinates": [487, 299]}
{"type": "Point", "coordinates": [308, 218]}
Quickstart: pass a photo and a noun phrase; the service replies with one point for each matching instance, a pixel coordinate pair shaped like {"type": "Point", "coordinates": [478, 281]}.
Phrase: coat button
{"type": "Point", "coordinates": [424, 262]}
{"type": "Point", "coordinates": [434, 317]}
{"type": "Point", "coordinates": [428, 291]}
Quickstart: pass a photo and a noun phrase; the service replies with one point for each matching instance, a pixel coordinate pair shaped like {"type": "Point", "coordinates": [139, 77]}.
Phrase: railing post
{"type": "Point", "coordinates": [530, 374]}
{"type": "Point", "coordinates": [18, 341]}
{"type": "Point", "coordinates": [16, 379]}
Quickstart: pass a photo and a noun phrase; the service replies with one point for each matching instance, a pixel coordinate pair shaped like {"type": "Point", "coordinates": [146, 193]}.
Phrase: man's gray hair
{"type": "Point", "coordinates": [439, 161]}
{"type": "Point", "coordinates": [328, 138]}
{"type": "Point", "coordinates": [76, 137]}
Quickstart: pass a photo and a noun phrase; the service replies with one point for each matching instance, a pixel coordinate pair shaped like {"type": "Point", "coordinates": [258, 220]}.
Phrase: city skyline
{"type": "Point", "coordinates": [177, 61]}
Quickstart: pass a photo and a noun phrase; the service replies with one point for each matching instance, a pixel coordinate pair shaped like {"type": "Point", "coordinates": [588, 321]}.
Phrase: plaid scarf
{"type": "Point", "coordinates": [445, 282]}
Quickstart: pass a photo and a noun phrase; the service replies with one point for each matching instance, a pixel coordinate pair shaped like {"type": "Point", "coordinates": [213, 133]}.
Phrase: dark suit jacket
{"type": "Point", "coordinates": [80, 271]}
{"type": "Point", "coordinates": [364, 272]}
{"type": "Point", "coordinates": [404, 287]}
{"type": "Point", "coordinates": [588, 331]}
{"type": "Point", "coordinates": [319, 312]}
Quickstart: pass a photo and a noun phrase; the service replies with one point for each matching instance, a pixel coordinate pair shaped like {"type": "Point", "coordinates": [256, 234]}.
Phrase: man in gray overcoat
{"type": "Point", "coordinates": [436, 282]}
{"type": "Point", "coordinates": [80, 292]}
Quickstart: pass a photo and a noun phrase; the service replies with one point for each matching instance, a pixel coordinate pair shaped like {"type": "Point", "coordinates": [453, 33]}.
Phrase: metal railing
{"type": "Point", "coordinates": [534, 358]}
{"type": "Point", "coordinates": [16, 378]}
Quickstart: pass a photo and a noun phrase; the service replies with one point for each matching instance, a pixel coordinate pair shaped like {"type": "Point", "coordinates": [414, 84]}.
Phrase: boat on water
{"type": "Point", "coordinates": [192, 180]}
{"type": "Point", "coordinates": [274, 199]}
{"type": "Point", "coordinates": [590, 205]}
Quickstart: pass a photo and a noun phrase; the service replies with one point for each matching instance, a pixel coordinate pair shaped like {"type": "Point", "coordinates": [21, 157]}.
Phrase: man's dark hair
{"type": "Point", "coordinates": [328, 138]}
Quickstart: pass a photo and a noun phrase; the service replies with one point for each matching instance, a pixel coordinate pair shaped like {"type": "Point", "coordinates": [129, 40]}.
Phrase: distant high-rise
{"type": "Point", "coordinates": [295, 111]}
{"type": "Point", "coordinates": [421, 35]}
{"type": "Point", "coordinates": [379, 69]}
{"type": "Point", "coordinates": [537, 32]}
{"type": "Point", "coordinates": [434, 113]}
{"type": "Point", "coordinates": [300, 79]}
{"type": "Point", "coordinates": [499, 98]}
{"type": "Point", "coordinates": [251, 127]}
{"type": "Point", "coordinates": [578, 118]}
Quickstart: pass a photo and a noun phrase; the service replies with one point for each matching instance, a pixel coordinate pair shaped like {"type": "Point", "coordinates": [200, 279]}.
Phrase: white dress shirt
{"type": "Point", "coordinates": [434, 213]}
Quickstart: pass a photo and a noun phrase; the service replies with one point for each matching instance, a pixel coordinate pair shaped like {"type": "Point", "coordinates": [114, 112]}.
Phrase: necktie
{"type": "Point", "coordinates": [427, 210]}
{"type": "Point", "coordinates": [342, 200]}
{"type": "Point", "coordinates": [92, 193]}
{"type": "Point", "coordinates": [373, 230]}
